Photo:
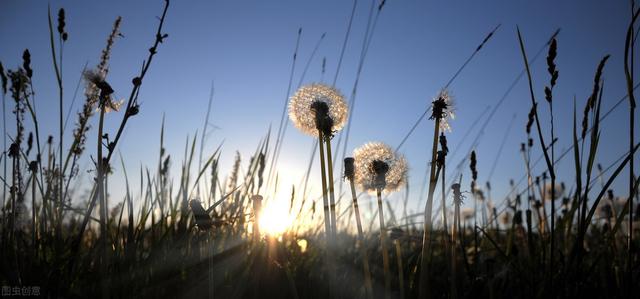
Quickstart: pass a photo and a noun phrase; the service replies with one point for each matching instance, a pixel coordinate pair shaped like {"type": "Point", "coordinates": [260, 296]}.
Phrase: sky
{"type": "Point", "coordinates": [246, 47]}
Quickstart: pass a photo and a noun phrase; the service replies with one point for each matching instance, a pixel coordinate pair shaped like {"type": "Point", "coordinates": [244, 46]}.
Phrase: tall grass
{"type": "Point", "coordinates": [198, 233]}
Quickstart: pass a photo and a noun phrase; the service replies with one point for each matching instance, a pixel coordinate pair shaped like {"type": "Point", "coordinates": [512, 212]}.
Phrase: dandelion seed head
{"type": "Point", "coordinates": [321, 98]}
{"type": "Point", "coordinates": [378, 166]}
{"type": "Point", "coordinates": [443, 109]}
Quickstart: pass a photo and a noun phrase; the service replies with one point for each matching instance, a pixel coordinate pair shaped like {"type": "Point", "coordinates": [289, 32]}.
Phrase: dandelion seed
{"type": "Point", "coordinates": [377, 166]}
{"type": "Point", "coordinates": [315, 100]}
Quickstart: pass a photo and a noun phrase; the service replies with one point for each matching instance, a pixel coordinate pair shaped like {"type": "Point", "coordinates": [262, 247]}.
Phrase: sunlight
{"type": "Point", "coordinates": [275, 218]}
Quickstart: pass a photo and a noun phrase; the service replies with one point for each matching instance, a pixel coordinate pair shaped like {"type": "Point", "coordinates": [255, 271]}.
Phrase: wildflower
{"type": "Point", "coordinates": [442, 110]}
{"type": "Point", "coordinates": [96, 84]}
{"type": "Point", "coordinates": [318, 107]}
{"type": "Point", "coordinates": [377, 166]}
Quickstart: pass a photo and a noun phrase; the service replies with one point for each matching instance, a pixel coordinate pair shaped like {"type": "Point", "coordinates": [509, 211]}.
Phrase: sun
{"type": "Point", "coordinates": [275, 218]}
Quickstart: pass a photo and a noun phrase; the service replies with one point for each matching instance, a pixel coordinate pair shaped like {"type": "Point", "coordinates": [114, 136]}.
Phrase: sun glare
{"type": "Point", "coordinates": [275, 218]}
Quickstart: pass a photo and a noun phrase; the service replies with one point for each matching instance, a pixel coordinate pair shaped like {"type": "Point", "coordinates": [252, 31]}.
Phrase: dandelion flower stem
{"type": "Point", "coordinates": [325, 199]}
{"type": "Point", "coordinates": [383, 244]}
{"type": "Point", "coordinates": [424, 271]}
{"type": "Point", "coordinates": [332, 201]}
{"type": "Point", "coordinates": [327, 219]}
{"type": "Point", "coordinates": [363, 249]}
{"type": "Point", "coordinates": [400, 268]}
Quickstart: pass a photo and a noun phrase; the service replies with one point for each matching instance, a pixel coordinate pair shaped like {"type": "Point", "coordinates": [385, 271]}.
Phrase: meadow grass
{"type": "Point", "coordinates": [199, 234]}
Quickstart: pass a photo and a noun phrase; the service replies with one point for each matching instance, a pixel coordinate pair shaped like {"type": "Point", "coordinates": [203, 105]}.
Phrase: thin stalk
{"type": "Point", "coordinates": [454, 255]}
{"type": "Point", "coordinates": [332, 201]}
{"type": "Point", "coordinates": [383, 244]}
{"type": "Point", "coordinates": [423, 289]}
{"type": "Point", "coordinates": [58, 72]}
{"type": "Point", "coordinates": [4, 155]}
{"type": "Point", "coordinates": [102, 200]}
{"type": "Point", "coordinates": [361, 245]}
{"type": "Point", "coordinates": [325, 198]}
{"type": "Point", "coordinates": [327, 219]}
{"type": "Point", "coordinates": [400, 268]}
{"type": "Point", "coordinates": [628, 70]}
{"type": "Point", "coordinates": [444, 212]}
{"type": "Point", "coordinates": [553, 203]}
{"type": "Point", "coordinates": [33, 214]}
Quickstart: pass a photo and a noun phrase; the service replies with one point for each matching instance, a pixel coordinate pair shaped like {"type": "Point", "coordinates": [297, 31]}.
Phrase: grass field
{"type": "Point", "coordinates": [202, 233]}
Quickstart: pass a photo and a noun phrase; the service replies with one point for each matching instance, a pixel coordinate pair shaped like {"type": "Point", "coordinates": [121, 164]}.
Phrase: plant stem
{"type": "Point", "coordinates": [423, 288]}
{"type": "Point", "coordinates": [361, 245]}
{"type": "Point", "coordinates": [327, 219]}
{"type": "Point", "coordinates": [454, 246]}
{"type": "Point", "coordinates": [400, 269]}
{"type": "Point", "coordinates": [103, 205]}
{"type": "Point", "coordinates": [332, 201]}
{"type": "Point", "coordinates": [383, 244]}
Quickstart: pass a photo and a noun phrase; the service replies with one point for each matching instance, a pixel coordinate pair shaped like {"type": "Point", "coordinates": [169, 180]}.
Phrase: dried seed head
{"type": "Point", "coordinates": [530, 118]}
{"type": "Point", "coordinates": [442, 109]}
{"type": "Point", "coordinates": [443, 143]}
{"type": "Point", "coordinates": [26, 63]}
{"type": "Point", "coordinates": [458, 198]}
{"type": "Point", "coordinates": [378, 166]}
{"type": "Point", "coordinates": [441, 158]}
{"type": "Point", "coordinates": [472, 165]}
{"type": "Point", "coordinates": [517, 218]}
{"type": "Point", "coordinates": [349, 170]}
{"type": "Point", "coordinates": [551, 65]}
{"type": "Point", "coordinates": [318, 106]}
{"type": "Point", "coordinates": [3, 76]}
{"type": "Point", "coordinates": [379, 169]}
{"type": "Point", "coordinates": [62, 24]}
{"type": "Point", "coordinates": [14, 150]}
{"type": "Point", "coordinates": [33, 166]}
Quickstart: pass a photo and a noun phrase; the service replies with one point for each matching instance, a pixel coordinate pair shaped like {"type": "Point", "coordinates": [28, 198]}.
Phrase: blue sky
{"type": "Point", "coordinates": [245, 47]}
